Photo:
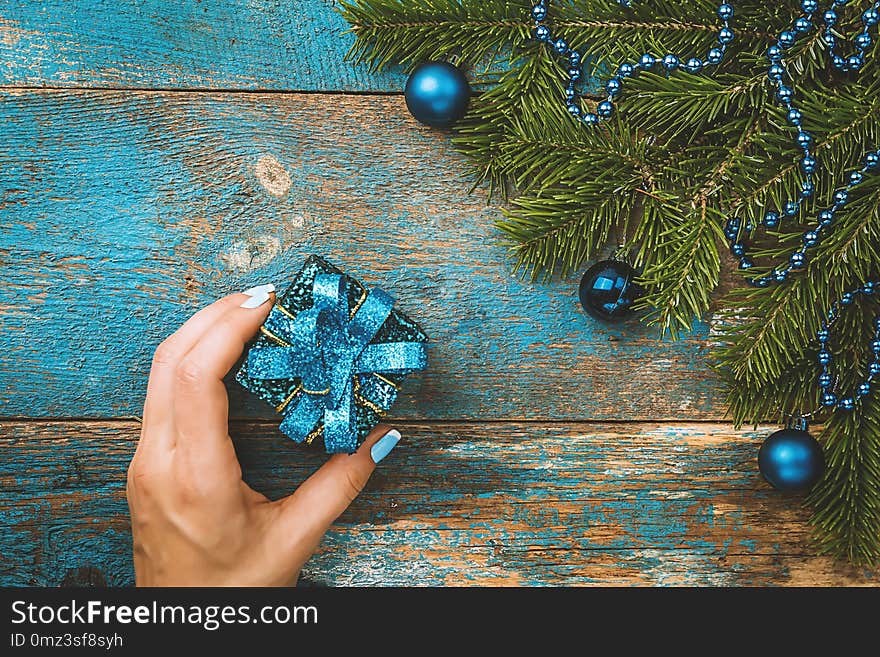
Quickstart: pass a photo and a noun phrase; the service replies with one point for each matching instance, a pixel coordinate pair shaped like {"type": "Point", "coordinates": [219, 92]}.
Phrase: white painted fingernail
{"type": "Point", "coordinates": [257, 296]}
{"type": "Point", "coordinates": [259, 289]}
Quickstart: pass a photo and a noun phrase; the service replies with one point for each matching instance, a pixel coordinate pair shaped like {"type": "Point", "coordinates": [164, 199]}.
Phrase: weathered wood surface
{"type": "Point", "coordinates": [125, 211]}
{"type": "Point", "coordinates": [456, 503]}
{"type": "Point", "coordinates": [205, 44]}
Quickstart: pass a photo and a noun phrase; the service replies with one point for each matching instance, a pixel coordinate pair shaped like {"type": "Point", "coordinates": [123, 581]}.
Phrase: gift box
{"type": "Point", "coordinates": [331, 357]}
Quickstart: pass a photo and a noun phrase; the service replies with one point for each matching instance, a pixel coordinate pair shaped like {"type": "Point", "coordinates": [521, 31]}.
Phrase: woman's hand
{"type": "Point", "coordinates": [194, 521]}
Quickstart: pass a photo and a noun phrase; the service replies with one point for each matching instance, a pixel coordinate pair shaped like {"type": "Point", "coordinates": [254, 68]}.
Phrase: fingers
{"type": "Point", "coordinates": [307, 514]}
{"type": "Point", "coordinates": [201, 407]}
{"type": "Point", "coordinates": [160, 388]}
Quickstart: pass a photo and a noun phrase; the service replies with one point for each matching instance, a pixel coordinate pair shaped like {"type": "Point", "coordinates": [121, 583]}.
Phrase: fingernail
{"type": "Point", "coordinates": [384, 445]}
{"type": "Point", "coordinates": [257, 296]}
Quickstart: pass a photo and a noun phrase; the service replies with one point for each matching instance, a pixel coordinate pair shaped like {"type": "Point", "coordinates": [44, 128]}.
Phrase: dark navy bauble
{"type": "Point", "coordinates": [791, 460]}
{"type": "Point", "coordinates": [608, 290]}
{"type": "Point", "coordinates": [437, 94]}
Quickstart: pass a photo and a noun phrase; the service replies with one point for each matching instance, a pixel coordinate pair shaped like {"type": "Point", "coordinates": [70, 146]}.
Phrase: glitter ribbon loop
{"type": "Point", "coordinates": [327, 349]}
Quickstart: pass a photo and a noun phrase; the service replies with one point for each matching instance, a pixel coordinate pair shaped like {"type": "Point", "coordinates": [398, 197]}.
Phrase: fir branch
{"type": "Point", "coordinates": [684, 153]}
{"type": "Point", "coordinates": [846, 510]}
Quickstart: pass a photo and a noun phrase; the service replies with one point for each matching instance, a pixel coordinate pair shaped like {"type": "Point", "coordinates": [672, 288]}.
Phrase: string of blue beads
{"type": "Point", "coordinates": [826, 379]}
{"type": "Point", "coordinates": [777, 73]}
{"type": "Point", "coordinates": [809, 239]}
{"type": "Point", "coordinates": [647, 62]}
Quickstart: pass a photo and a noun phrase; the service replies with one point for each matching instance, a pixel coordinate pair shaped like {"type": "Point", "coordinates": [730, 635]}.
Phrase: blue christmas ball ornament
{"type": "Point", "coordinates": [775, 72]}
{"type": "Point", "coordinates": [791, 460]}
{"type": "Point", "coordinates": [715, 55]}
{"type": "Point", "coordinates": [542, 33]}
{"type": "Point", "coordinates": [647, 61]}
{"type": "Point", "coordinates": [608, 290]}
{"type": "Point", "coordinates": [437, 94]}
{"type": "Point", "coordinates": [605, 109]}
{"type": "Point", "coordinates": [863, 40]}
{"type": "Point", "coordinates": [613, 86]}
{"type": "Point", "coordinates": [786, 39]}
{"type": "Point", "coordinates": [808, 163]}
{"type": "Point", "coordinates": [830, 17]}
{"type": "Point", "coordinates": [725, 12]}
{"type": "Point", "coordinates": [774, 53]}
{"type": "Point", "coordinates": [591, 119]}
{"type": "Point", "coordinates": [784, 93]}
{"type": "Point", "coordinates": [625, 70]}
{"type": "Point", "coordinates": [539, 12]}
{"type": "Point", "coordinates": [872, 160]}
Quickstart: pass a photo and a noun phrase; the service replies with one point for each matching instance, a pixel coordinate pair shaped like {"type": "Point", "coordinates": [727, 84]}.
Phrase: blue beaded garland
{"type": "Point", "coordinates": [785, 94]}
{"type": "Point", "coordinates": [824, 357]}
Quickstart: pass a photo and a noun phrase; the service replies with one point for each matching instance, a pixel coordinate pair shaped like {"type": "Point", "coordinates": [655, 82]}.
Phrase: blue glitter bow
{"type": "Point", "coordinates": [327, 347]}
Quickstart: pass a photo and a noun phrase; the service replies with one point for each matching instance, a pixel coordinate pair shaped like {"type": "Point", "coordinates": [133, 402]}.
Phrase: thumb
{"type": "Point", "coordinates": [308, 513]}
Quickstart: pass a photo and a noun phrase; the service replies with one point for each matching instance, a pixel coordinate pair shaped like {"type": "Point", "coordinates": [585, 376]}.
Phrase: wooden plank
{"type": "Point", "coordinates": [126, 211]}
{"type": "Point", "coordinates": [221, 44]}
{"type": "Point", "coordinates": [456, 503]}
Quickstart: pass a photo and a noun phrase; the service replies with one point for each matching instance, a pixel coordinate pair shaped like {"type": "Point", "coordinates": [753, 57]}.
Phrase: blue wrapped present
{"type": "Point", "coordinates": [331, 357]}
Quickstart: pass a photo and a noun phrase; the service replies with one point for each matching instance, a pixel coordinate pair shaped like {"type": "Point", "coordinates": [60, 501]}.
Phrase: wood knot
{"type": "Point", "coordinates": [272, 176]}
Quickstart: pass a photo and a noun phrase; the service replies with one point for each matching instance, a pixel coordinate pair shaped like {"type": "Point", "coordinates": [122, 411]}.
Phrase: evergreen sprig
{"type": "Point", "coordinates": [684, 153]}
